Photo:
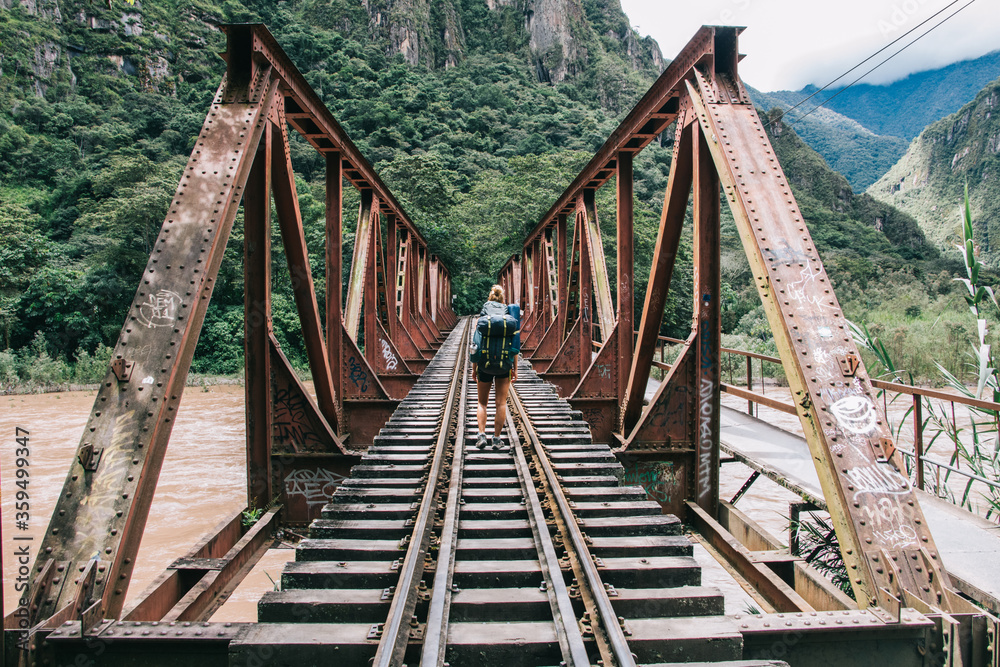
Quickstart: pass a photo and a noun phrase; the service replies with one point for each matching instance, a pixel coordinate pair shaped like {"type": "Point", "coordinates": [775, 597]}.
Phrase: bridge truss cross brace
{"type": "Point", "coordinates": [595, 359]}
{"type": "Point", "coordinates": [363, 359]}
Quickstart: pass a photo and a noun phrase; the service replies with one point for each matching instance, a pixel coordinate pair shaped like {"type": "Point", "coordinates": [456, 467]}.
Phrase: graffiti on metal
{"type": "Point", "coordinates": [706, 409]}
{"type": "Point", "coordinates": [661, 481]}
{"type": "Point", "coordinates": [160, 309]}
{"type": "Point", "coordinates": [315, 486]}
{"type": "Point", "coordinates": [291, 420]}
{"type": "Point", "coordinates": [357, 374]}
{"type": "Point", "coordinates": [391, 362]}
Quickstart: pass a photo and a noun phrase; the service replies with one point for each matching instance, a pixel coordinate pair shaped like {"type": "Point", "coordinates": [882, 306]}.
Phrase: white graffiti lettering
{"type": "Point", "coordinates": [391, 362]}
{"type": "Point", "coordinates": [896, 538]}
{"type": "Point", "coordinates": [317, 486]}
{"type": "Point", "coordinates": [160, 310]}
{"type": "Point", "coordinates": [855, 414]}
{"type": "Point", "coordinates": [879, 478]}
{"type": "Point", "coordinates": [804, 289]}
{"type": "Point", "coordinates": [705, 433]}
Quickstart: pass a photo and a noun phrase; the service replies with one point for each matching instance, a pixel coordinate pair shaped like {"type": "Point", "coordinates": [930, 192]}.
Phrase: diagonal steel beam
{"type": "Point", "coordinates": [664, 256]}
{"type": "Point", "coordinates": [604, 312]}
{"type": "Point", "coordinates": [367, 218]}
{"type": "Point", "coordinates": [294, 241]}
{"type": "Point", "coordinates": [101, 513]}
{"type": "Point", "coordinates": [883, 535]}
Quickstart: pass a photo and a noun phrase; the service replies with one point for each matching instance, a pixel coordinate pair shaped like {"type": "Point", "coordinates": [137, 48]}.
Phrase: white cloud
{"type": "Point", "coordinates": [792, 43]}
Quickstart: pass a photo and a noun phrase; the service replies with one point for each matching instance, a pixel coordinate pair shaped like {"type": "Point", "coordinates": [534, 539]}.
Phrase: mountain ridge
{"type": "Point", "coordinates": [925, 96]}
{"type": "Point", "coordinates": [866, 129]}
{"type": "Point", "coordinates": [929, 180]}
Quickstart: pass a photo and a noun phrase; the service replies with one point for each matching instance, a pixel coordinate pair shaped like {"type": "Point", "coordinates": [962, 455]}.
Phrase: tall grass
{"type": "Point", "coordinates": [977, 376]}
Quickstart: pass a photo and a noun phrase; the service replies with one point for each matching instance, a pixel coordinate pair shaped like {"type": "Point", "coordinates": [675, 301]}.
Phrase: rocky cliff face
{"type": "Point", "coordinates": [562, 36]}
{"type": "Point", "coordinates": [557, 51]}
{"type": "Point", "coordinates": [928, 181]}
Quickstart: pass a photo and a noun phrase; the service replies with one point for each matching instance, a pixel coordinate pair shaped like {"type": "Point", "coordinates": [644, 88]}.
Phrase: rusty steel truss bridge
{"type": "Point", "coordinates": [431, 551]}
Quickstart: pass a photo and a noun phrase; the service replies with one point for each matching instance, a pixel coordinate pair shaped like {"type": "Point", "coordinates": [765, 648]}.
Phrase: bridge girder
{"type": "Point", "coordinates": [720, 143]}
{"type": "Point", "coordinates": [295, 444]}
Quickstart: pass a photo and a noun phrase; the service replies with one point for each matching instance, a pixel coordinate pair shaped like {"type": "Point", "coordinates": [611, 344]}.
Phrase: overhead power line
{"type": "Point", "coordinates": [884, 48]}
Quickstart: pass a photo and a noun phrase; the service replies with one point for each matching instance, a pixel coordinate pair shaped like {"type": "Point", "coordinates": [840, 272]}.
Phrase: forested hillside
{"type": "Point", "coordinates": [929, 180]}
{"type": "Point", "coordinates": [848, 147]}
{"type": "Point", "coordinates": [863, 130]}
{"type": "Point", "coordinates": [477, 113]}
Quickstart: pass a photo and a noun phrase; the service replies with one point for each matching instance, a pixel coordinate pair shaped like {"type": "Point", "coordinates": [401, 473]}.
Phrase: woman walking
{"type": "Point", "coordinates": [496, 362]}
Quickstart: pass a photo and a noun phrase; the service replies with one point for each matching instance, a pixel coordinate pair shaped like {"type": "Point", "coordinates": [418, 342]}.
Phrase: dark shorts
{"type": "Point", "coordinates": [488, 377]}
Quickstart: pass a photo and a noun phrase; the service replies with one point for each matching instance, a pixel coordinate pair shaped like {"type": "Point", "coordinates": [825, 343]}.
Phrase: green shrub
{"type": "Point", "coordinates": [91, 368]}
{"type": "Point", "coordinates": [42, 370]}
{"type": "Point", "coordinates": [8, 370]}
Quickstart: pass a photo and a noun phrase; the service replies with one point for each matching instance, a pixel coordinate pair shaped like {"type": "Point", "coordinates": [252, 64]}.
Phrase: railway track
{"type": "Point", "coordinates": [436, 553]}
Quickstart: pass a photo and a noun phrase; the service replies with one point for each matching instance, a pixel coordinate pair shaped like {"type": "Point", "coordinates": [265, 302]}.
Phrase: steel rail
{"type": "Point", "coordinates": [608, 618]}
{"type": "Point", "coordinates": [436, 632]}
{"type": "Point", "coordinates": [567, 629]}
{"type": "Point", "coordinates": [395, 634]}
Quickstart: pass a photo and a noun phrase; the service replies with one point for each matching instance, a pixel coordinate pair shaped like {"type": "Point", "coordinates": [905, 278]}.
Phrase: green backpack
{"type": "Point", "coordinates": [497, 338]}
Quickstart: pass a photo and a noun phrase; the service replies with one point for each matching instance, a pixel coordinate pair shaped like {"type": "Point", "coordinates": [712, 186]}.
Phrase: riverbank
{"type": "Point", "coordinates": [194, 380]}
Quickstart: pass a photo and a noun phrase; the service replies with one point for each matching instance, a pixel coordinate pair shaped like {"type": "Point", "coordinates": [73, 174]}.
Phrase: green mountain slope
{"type": "Point", "coordinates": [904, 108]}
{"type": "Point", "coordinates": [476, 116]}
{"type": "Point", "coordinates": [929, 180]}
{"type": "Point", "coordinates": [848, 147]}
{"type": "Point", "coordinates": [885, 272]}
{"type": "Point", "coordinates": [864, 130]}
{"type": "Point", "coordinates": [100, 105]}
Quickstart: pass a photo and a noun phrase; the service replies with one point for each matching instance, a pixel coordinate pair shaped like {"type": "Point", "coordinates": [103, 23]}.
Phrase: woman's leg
{"type": "Point", "coordinates": [503, 386]}
{"type": "Point", "coordinates": [483, 389]}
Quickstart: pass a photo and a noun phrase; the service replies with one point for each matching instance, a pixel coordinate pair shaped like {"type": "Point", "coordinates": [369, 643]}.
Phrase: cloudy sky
{"type": "Point", "coordinates": [791, 43]}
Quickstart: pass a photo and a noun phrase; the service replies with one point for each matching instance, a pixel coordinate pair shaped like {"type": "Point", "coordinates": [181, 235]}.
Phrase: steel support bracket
{"type": "Point", "coordinates": [849, 364]}
{"type": "Point", "coordinates": [91, 617]}
{"type": "Point", "coordinates": [90, 456]}
{"type": "Point", "coordinates": [893, 614]}
{"type": "Point", "coordinates": [122, 369]}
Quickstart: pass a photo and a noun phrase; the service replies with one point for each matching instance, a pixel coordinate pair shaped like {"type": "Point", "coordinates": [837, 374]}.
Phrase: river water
{"type": "Point", "coordinates": [203, 481]}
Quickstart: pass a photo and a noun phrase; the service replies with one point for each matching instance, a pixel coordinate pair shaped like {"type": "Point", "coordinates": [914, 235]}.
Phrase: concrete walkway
{"type": "Point", "coordinates": [969, 545]}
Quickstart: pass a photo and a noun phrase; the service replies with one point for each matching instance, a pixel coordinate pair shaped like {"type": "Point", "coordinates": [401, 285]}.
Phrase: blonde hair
{"type": "Point", "coordinates": [496, 294]}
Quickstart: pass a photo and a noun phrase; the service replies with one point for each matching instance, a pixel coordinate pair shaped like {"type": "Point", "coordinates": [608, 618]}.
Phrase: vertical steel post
{"type": "Point", "coordinates": [707, 313]}
{"type": "Point", "coordinates": [421, 280]}
{"type": "Point", "coordinates": [918, 440]}
{"type": "Point", "coordinates": [392, 269]}
{"type": "Point", "coordinates": [257, 323]}
{"type": "Point", "coordinates": [585, 292]}
{"type": "Point", "coordinates": [434, 292]}
{"type": "Point", "coordinates": [597, 266]}
{"type": "Point", "coordinates": [562, 270]}
{"type": "Point", "coordinates": [370, 299]}
{"type": "Point", "coordinates": [403, 286]}
{"type": "Point", "coordinates": [356, 285]}
{"type": "Point", "coordinates": [625, 271]}
{"type": "Point", "coordinates": [334, 267]}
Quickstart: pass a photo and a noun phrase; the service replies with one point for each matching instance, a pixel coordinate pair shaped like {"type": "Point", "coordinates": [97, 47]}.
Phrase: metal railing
{"type": "Point", "coordinates": [918, 394]}
{"type": "Point", "coordinates": [917, 454]}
